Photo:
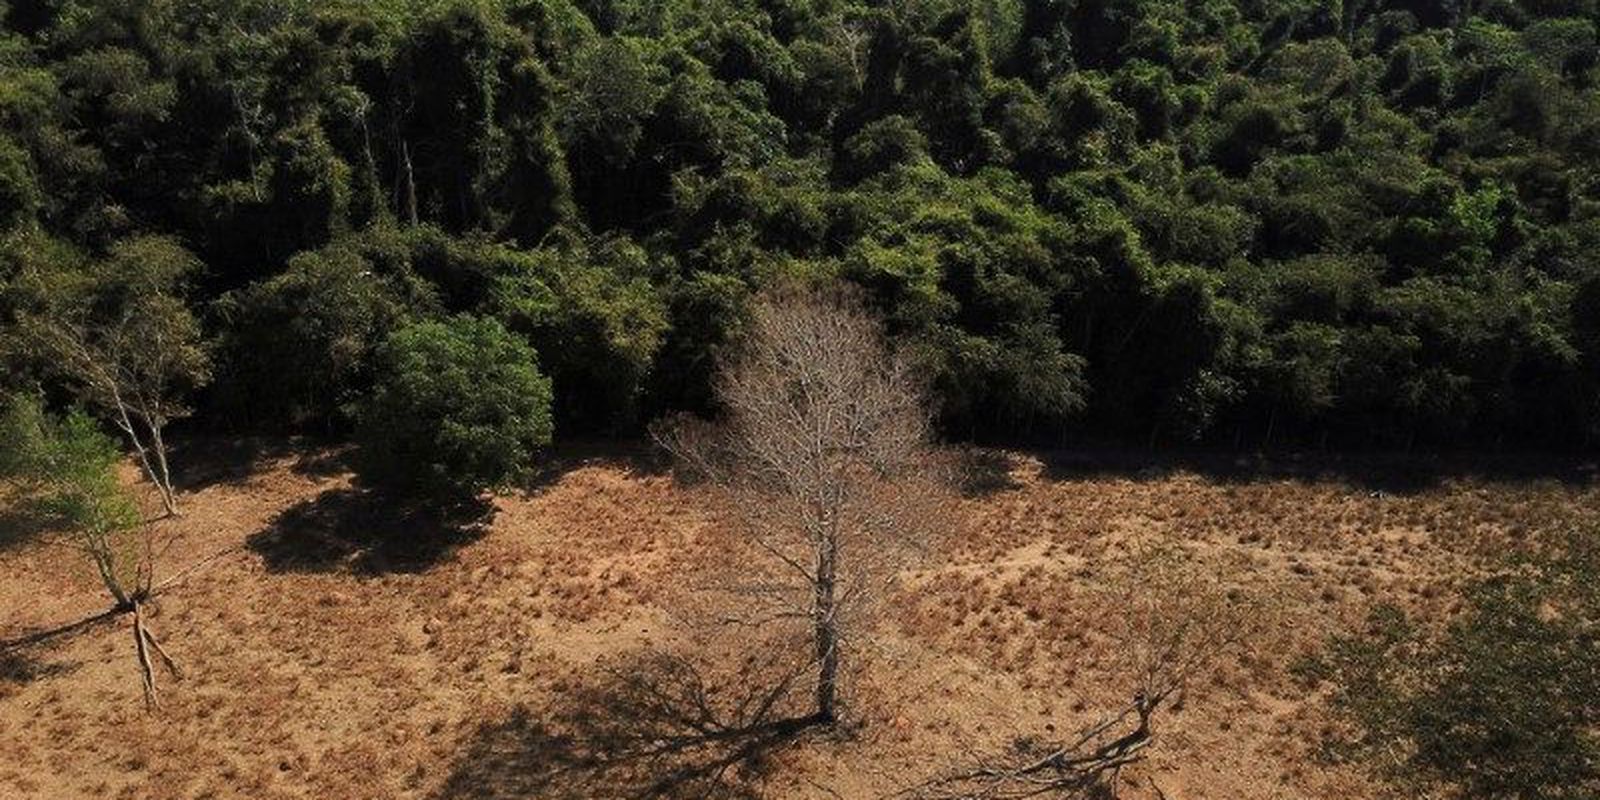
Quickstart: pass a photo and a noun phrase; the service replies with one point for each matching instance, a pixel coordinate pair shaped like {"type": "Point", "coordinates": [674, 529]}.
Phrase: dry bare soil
{"type": "Point", "coordinates": [337, 648]}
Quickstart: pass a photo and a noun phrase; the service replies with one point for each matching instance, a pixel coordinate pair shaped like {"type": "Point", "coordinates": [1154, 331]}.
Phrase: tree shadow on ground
{"type": "Point", "coordinates": [20, 521]}
{"type": "Point", "coordinates": [1393, 473]}
{"type": "Point", "coordinates": [323, 462]}
{"type": "Point", "coordinates": [201, 461]}
{"type": "Point", "coordinates": [652, 727]}
{"type": "Point", "coordinates": [18, 668]}
{"type": "Point", "coordinates": [366, 531]}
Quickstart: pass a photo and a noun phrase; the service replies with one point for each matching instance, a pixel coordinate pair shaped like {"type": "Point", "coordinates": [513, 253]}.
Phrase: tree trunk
{"type": "Point", "coordinates": [826, 633]}
{"type": "Point", "coordinates": [169, 497]}
{"type": "Point", "coordinates": [100, 554]}
{"type": "Point", "coordinates": [411, 184]}
{"type": "Point", "coordinates": [147, 672]}
{"type": "Point", "coordinates": [377, 204]}
{"type": "Point", "coordinates": [164, 487]}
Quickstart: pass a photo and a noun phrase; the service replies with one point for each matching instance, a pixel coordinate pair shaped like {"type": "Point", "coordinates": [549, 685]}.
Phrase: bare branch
{"type": "Point", "coordinates": [823, 457]}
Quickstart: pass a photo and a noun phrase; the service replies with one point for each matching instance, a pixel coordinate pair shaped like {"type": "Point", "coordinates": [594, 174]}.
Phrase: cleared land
{"type": "Point", "coordinates": [328, 657]}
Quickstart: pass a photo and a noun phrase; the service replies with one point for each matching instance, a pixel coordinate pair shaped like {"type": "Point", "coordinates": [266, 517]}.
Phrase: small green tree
{"type": "Point", "coordinates": [459, 407]}
{"type": "Point", "coordinates": [66, 469]}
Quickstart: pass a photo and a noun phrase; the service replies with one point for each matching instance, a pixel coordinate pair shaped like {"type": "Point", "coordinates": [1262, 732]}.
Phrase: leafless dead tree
{"type": "Point", "coordinates": [823, 452]}
{"type": "Point", "coordinates": [1171, 619]}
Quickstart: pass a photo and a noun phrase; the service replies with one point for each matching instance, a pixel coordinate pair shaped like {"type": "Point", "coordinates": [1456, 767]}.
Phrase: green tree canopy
{"type": "Point", "coordinates": [459, 406]}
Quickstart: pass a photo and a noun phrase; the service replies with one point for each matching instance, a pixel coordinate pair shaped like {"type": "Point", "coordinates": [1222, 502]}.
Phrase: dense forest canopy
{"type": "Point", "coordinates": [1375, 221]}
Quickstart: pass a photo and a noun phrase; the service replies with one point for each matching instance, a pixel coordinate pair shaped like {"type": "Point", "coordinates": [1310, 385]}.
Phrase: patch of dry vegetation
{"type": "Point", "coordinates": [360, 683]}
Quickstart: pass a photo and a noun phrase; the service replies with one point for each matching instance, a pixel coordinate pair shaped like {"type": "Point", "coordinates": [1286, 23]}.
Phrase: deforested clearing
{"type": "Point", "coordinates": [800, 399]}
{"type": "Point", "coordinates": [334, 647]}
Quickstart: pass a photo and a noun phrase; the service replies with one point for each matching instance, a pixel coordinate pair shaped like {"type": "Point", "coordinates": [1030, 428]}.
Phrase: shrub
{"type": "Point", "coordinates": [459, 406]}
{"type": "Point", "coordinates": [1503, 703]}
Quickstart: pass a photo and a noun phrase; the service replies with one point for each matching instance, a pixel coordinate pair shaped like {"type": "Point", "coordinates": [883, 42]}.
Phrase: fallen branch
{"type": "Point", "coordinates": [1175, 619]}
{"type": "Point", "coordinates": [187, 572]}
{"type": "Point", "coordinates": [166, 660]}
{"type": "Point", "coordinates": [147, 673]}
{"type": "Point", "coordinates": [145, 642]}
{"type": "Point", "coordinates": [1088, 764]}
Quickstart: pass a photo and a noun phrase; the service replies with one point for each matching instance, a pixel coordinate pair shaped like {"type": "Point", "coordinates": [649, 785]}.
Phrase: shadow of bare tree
{"type": "Point", "coordinates": [19, 668]}
{"type": "Point", "coordinates": [365, 531]}
{"type": "Point", "coordinates": [652, 728]}
{"type": "Point", "coordinates": [20, 522]}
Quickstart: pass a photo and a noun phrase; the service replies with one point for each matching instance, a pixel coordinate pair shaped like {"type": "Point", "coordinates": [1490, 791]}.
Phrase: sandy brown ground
{"type": "Point", "coordinates": [322, 662]}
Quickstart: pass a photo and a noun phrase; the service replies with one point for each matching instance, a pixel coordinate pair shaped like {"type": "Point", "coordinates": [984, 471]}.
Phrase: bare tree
{"type": "Point", "coordinates": [1170, 618]}
{"type": "Point", "coordinates": [129, 575]}
{"type": "Point", "coordinates": [853, 37]}
{"type": "Point", "coordinates": [119, 333]}
{"type": "Point", "coordinates": [823, 451]}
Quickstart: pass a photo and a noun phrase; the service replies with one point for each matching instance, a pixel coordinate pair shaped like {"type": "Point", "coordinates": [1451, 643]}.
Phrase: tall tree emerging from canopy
{"type": "Point", "coordinates": [823, 452]}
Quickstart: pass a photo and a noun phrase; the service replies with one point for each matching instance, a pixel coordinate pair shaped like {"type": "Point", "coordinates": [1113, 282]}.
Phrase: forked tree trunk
{"type": "Point", "coordinates": [157, 472]}
{"type": "Point", "coordinates": [148, 649]}
{"type": "Point", "coordinates": [141, 648]}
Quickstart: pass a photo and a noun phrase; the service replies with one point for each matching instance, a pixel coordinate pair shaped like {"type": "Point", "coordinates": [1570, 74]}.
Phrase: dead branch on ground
{"type": "Point", "coordinates": [1175, 618]}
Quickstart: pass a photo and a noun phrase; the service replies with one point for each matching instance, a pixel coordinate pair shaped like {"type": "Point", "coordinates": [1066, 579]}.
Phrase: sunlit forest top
{"type": "Point", "coordinates": [1374, 222]}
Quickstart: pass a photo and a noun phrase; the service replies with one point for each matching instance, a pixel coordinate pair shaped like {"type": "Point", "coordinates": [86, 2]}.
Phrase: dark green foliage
{"type": "Point", "coordinates": [969, 269]}
{"type": "Point", "coordinates": [594, 315]}
{"type": "Point", "coordinates": [298, 347]}
{"type": "Point", "coordinates": [458, 406]}
{"type": "Point", "coordinates": [1503, 703]}
{"type": "Point", "coordinates": [1252, 222]}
